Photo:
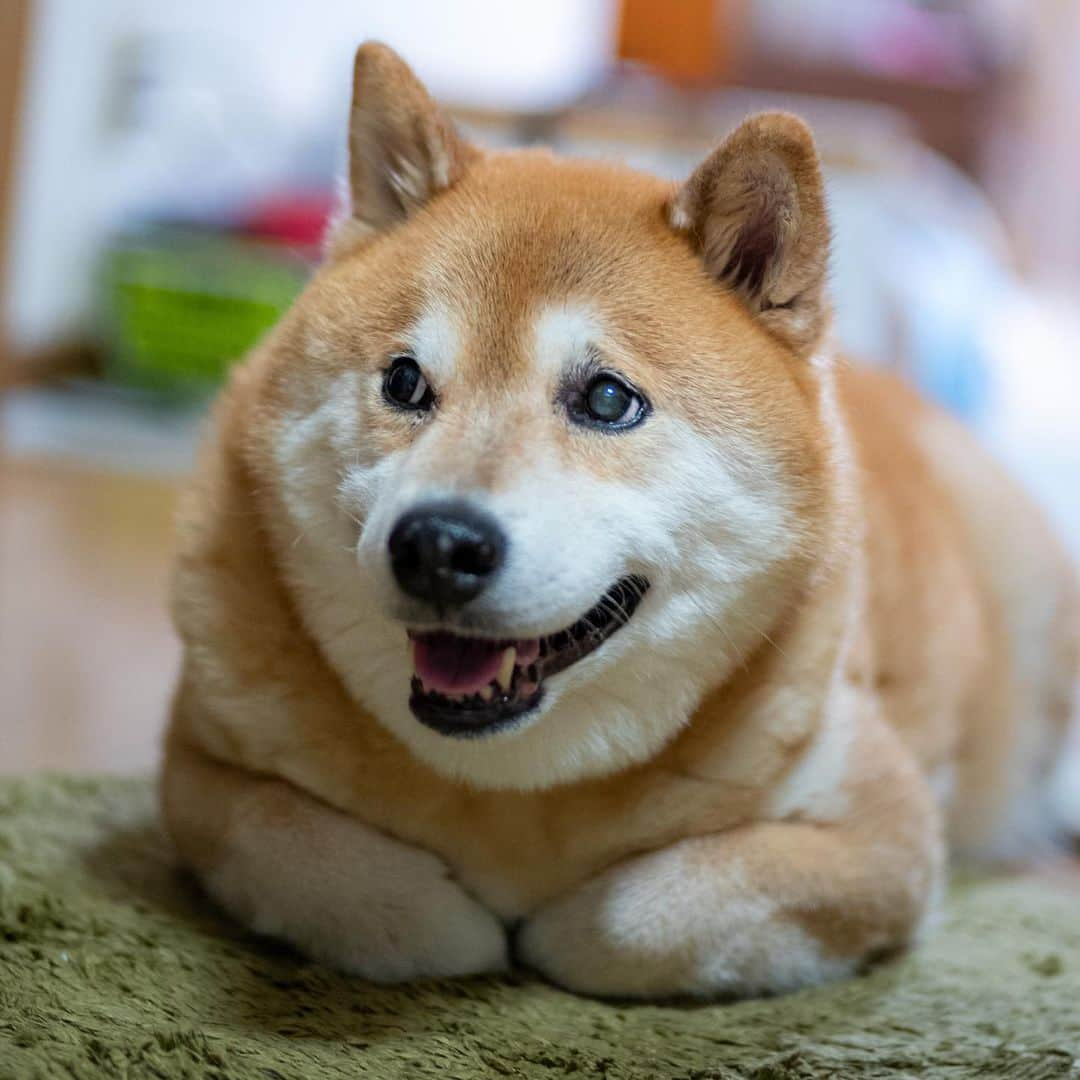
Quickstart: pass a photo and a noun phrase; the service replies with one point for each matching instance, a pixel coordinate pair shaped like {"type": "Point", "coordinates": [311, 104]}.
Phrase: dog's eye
{"type": "Point", "coordinates": [404, 385]}
{"type": "Point", "coordinates": [609, 401]}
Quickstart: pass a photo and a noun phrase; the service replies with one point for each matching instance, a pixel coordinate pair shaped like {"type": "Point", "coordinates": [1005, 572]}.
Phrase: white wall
{"type": "Point", "coordinates": [53, 235]}
{"type": "Point", "coordinates": [142, 103]}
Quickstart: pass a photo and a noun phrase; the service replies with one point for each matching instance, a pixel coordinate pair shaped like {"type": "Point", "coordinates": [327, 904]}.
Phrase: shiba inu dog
{"type": "Point", "coordinates": [549, 590]}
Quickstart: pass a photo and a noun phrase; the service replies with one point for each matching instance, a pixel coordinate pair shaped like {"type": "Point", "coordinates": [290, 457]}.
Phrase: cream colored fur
{"type": "Point", "coordinates": [859, 637]}
{"type": "Point", "coordinates": [340, 891]}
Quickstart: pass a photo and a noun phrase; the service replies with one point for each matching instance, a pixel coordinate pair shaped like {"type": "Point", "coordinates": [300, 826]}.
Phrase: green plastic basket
{"type": "Point", "coordinates": [180, 306]}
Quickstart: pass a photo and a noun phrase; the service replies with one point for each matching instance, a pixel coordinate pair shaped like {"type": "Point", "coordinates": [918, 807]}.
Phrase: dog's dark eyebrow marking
{"type": "Point", "coordinates": [594, 358]}
{"type": "Point", "coordinates": [580, 367]}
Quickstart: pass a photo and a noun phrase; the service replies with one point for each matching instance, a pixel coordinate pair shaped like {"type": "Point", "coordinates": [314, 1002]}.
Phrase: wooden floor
{"type": "Point", "coordinates": [87, 656]}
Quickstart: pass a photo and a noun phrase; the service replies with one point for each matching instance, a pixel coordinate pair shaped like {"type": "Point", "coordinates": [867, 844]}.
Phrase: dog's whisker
{"type": "Point", "coordinates": [736, 653]}
{"type": "Point", "coordinates": [757, 630]}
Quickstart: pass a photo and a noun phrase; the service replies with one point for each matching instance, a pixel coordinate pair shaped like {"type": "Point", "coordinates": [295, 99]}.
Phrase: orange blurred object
{"type": "Point", "coordinates": [690, 42]}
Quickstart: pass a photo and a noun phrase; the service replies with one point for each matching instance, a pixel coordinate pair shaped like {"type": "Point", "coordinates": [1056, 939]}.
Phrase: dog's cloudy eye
{"type": "Point", "coordinates": [609, 401]}
{"type": "Point", "coordinates": [405, 385]}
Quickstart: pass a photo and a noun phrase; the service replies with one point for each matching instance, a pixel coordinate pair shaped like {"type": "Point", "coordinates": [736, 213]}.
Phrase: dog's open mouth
{"type": "Point", "coordinates": [470, 686]}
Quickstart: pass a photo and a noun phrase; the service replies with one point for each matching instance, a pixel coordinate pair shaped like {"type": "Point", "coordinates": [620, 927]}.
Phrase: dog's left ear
{"type": "Point", "coordinates": [755, 208]}
{"type": "Point", "coordinates": [403, 150]}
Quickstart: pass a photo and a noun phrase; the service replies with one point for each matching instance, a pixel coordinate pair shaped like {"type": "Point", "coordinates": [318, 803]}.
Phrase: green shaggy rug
{"type": "Point", "coordinates": [112, 965]}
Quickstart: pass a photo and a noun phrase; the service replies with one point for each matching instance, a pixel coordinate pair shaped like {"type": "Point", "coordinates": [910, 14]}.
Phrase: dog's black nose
{"type": "Point", "coordinates": [445, 553]}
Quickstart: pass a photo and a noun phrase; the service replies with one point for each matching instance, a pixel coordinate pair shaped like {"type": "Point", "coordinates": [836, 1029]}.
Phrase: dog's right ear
{"type": "Point", "coordinates": [402, 149]}
{"type": "Point", "coordinates": [755, 209]}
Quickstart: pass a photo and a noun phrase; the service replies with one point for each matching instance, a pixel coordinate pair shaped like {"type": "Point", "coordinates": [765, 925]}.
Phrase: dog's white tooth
{"type": "Point", "coordinates": [506, 668]}
{"type": "Point", "coordinates": [487, 693]}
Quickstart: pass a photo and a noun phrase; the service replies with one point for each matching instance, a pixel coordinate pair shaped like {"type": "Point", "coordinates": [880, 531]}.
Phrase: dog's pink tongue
{"type": "Point", "coordinates": [456, 665]}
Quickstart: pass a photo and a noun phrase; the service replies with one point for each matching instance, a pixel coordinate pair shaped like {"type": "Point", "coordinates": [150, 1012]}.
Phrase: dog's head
{"type": "Point", "coordinates": [547, 439]}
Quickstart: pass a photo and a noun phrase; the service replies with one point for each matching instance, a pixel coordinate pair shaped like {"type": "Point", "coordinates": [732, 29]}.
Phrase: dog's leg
{"type": "Point", "coordinates": [296, 869]}
{"type": "Point", "coordinates": [766, 907]}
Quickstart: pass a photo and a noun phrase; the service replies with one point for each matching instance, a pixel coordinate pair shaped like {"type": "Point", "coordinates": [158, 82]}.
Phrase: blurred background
{"type": "Point", "coordinates": [166, 169]}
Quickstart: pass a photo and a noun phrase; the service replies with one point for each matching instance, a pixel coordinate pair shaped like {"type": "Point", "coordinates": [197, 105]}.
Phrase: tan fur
{"type": "Point", "coordinates": [784, 832]}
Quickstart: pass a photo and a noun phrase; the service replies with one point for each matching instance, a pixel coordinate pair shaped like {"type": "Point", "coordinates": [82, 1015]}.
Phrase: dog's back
{"type": "Point", "coordinates": [972, 621]}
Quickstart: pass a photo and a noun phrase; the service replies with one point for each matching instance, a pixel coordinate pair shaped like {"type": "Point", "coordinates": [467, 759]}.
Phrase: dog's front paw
{"type": "Point", "coordinates": [688, 920]}
{"type": "Point", "coordinates": [350, 896]}
{"type": "Point", "coordinates": [441, 932]}
{"type": "Point", "coordinates": [590, 948]}
{"type": "Point", "coordinates": [576, 954]}
{"type": "Point", "coordinates": [620, 934]}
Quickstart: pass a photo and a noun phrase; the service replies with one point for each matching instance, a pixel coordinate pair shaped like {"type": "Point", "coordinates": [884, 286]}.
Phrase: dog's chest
{"type": "Point", "coordinates": [516, 850]}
